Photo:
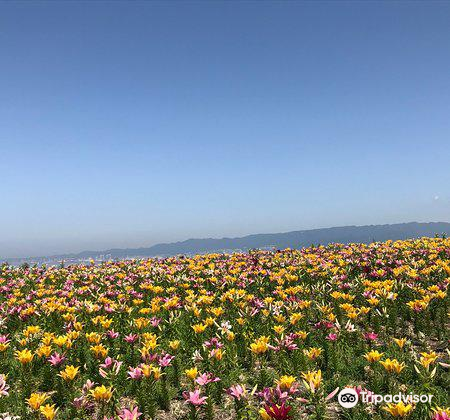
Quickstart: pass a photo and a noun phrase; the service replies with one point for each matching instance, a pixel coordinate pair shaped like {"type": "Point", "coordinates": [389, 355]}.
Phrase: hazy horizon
{"type": "Point", "coordinates": [126, 124]}
{"type": "Point", "coordinates": [147, 244]}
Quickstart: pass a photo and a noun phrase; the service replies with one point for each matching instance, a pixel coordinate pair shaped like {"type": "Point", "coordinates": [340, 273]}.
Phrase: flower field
{"type": "Point", "coordinates": [258, 335]}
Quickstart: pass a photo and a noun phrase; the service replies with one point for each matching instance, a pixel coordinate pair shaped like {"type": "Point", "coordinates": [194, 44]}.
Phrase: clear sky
{"type": "Point", "coordinates": [127, 124]}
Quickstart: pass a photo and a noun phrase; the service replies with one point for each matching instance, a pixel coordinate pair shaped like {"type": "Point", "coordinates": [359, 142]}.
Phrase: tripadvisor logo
{"type": "Point", "coordinates": [348, 398]}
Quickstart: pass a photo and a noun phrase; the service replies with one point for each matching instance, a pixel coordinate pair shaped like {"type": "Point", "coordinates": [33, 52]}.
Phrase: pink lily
{"type": "Point", "coordinates": [236, 391]}
{"type": "Point", "coordinates": [127, 414]}
{"type": "Point", "coordinates": [135, 373]}
{"type": "Point", "coordinates": [206, 378]}
{"type": "Point", "coordinates": [194, 398]}
{"type": "Point", "coordinates": [56, 359]}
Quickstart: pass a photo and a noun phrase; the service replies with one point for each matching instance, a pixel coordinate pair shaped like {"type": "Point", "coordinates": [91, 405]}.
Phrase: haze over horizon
{"type": "Point", "coordinates": [127, 124]}
{"type": "Point", "coordinates": [364, 234]}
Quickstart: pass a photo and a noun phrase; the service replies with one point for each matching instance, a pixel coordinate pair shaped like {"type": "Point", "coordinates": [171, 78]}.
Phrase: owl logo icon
{"type": "Point", "coordinates": [348, 398]}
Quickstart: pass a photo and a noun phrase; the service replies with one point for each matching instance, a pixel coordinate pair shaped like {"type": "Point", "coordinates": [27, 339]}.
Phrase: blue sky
{"type": "Point", "coordinates": [127, 124]}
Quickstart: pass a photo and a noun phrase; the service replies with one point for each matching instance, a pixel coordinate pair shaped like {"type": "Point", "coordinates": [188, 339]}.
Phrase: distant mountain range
{"type": "Point", "coordinates": [296, 239]}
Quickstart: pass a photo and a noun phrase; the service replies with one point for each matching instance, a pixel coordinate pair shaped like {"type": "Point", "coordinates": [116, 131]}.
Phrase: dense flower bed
{"type": "Point", "coordinates": [269, 335]}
